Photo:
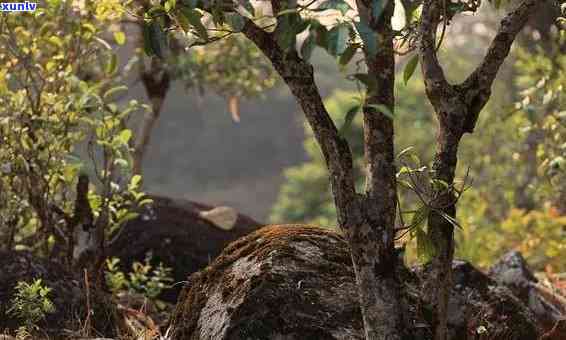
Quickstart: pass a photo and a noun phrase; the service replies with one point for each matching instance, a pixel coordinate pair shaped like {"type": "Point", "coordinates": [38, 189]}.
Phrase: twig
{"type": "Point", "coordinates": [86, 327]}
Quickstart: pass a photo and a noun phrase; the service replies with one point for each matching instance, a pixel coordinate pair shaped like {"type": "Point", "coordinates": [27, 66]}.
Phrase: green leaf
{"type": "Point", "coordinates": [410, 68]}
{"type": "Point", "coordinates": [193, 16]}
{"type": "Point", "coordinates": [218, 13]}
{"type": "Point", "coordinates": [248, 7]}
{"type": "Point", "coordinates": [348, 54]}
{"type": "Point", "coordinates": [120, 37]}
{"type": "Point", "coordinates": [183, 22]}
{"type": "Point", "coordinates": [368, 36]}
{"type": "Point", "coordinates": [288, 26]}
{"type": "Point", "coordinates": [339, 5]}
{"type": "Point", "coordinates": [350, 115]}
{"type": "Point", "coordinates": [134, 182]}
{"type": "Point", "coordinates": [156, 11]}
{"type": "Point", "coordinates": [383, 109]}
{"type": "Point", "coordinates": [235, 21]}
{"type": "Point", "coordinates": [308, 47]}
{"type": "Point", "coordinates": [112, 65]}
{"type": "Point", "coordinates": [123, 137]}
{"type": "Point", "coordinates": [425, 247]}
{"type": "Point", "coordinates": [147, 45]}
{"type": "Point", "coordinates": [155, 40]}
{"type": "Point", "coordinates": [419, 217]}
{"type": "Point", "coordinates": [169, 5]}
{"type": "Point", "coordinates": [285, 38]}
{"type": "Point", "coordinates": [367, 80]}
{"type": "Point", "coordinates": [114, 90]}
{"type": "Point", "coordinates": [320, 33]}
{"type": "Point", "coordinates": [377, 7]}
{"type": "Point", "coordinates": [337, 39]}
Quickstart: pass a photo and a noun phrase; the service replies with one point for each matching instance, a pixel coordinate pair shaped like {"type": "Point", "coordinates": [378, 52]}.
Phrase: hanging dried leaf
{"type": "Point", "coordinates": [234, 108]}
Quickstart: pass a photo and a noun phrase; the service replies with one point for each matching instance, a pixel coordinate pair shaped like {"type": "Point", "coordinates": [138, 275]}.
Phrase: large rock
{"type": "Point", "coordinates": [178, 233]}
{"type": "Point", "coordinates": [512, 271]}
{"type": "Point", "coordinates": [67, 295]}
{"type": "Point", "coordinates": [296, 282]}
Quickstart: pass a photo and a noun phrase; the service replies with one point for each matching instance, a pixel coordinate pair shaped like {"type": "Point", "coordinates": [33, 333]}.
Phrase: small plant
{"type": "Point", "coordinates": [30, 304]}
{"type": "Point", "coordinates": [144, 278]}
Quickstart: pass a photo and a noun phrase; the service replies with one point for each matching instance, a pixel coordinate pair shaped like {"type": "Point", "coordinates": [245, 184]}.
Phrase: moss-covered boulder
{"type": "Point", "coordinates": [297, 282]}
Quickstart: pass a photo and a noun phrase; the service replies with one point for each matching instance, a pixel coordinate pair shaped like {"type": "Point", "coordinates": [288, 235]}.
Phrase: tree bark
{"type": "Point", "coordinates": [380, 201]}
{"type": "Point", "coordinates": [156, 82]}
{"type": "Point", "coordinates": [368, 235]}
{"type": "Point", "coordinates": [457, 108]}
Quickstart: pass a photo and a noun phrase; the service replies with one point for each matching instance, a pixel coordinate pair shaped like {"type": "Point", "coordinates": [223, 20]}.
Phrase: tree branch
{"type": "Point", "coordinates": [298, 75]}
{"type": "Point", "coordinates": [477, 87]}
{"type": "Point", "coordinates": [433, 73]}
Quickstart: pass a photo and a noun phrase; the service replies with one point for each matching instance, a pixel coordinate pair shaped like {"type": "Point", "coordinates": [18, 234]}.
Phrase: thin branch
{"type": "Point", "coordinates": [298, 74]}
{"type": "Point", "coordinates": [478, 84]}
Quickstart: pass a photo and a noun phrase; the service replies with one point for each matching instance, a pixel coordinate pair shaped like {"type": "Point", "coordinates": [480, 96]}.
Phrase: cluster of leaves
{"type": "Point", "coordinates": [543, 99]}
{"type": "Point", "coordinates": [59, 115]}
{"type": "Point", "coordinates": [30, 304]}
{"type": "Point", "coordinates": [332, 25]}
{"type": "Point", "coordinates": [219, 60]}
{"type": "Point", "coordinates": [537, 234]}
{"type": "Point", "coordinates": [230, 67]}
{"type": "Point", "coordinates": [144, 278]}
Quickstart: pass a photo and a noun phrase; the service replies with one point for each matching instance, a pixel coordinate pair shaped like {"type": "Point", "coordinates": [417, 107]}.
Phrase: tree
{"type": "Point", "coordinates": [57, 92]}
{"type": "Point", "coordinates": [368, 219]}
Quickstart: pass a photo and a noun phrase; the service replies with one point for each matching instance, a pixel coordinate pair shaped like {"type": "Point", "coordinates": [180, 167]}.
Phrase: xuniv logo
{"type": "Point", "coordinates": [18, 6]}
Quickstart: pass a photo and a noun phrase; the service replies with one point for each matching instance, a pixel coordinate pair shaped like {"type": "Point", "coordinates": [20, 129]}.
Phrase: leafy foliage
{"type": "Point", "coordinates": [224, 67]}
{"type": "Point", "coordinates": [144, 278]}
{"type": "Point", "coordinates": [59, 101]}
{"type": "Point", "coordinates": [31, 304]}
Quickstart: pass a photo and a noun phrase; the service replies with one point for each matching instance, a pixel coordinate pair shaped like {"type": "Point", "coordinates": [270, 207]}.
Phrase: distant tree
{"type": "Point", "coordinates": [368, 219]}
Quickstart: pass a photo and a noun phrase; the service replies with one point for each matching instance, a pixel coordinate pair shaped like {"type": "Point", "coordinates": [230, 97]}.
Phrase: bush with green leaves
{"type": "Point", "coordinates": [144, 278]}
{"type": "Point", "coordinates": [30, 304]}
{"type": "Point", "coordinates": [61, 115]}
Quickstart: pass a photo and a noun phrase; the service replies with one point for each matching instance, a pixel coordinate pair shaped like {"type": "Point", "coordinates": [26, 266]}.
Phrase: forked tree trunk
{"type": "Point", "coordinates": [457, 108]}
{"type": "Point", "coordinates": [367, 220]}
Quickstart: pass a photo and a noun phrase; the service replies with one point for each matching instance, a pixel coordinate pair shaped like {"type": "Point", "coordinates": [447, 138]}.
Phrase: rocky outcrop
{"type": "Point", "coordinates": [512, 271]}
{"type": "Point", "coordinates": [68, 296]}
{"type": "Point", "coordinates": [184, 235]}
{"type": "Point", "coordinates": [296, 282]}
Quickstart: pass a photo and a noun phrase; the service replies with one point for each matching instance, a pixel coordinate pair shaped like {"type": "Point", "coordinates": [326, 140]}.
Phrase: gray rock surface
{"type": "Point", "coordinates": [296, 282]}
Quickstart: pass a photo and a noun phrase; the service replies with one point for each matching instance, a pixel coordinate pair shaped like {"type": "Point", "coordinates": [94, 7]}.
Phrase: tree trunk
{"type": "Point", "coordinates": [441, 231]}
{"type": "Point", "coordinates": [156, 82]}
{"type": "Point", "coordinates": [457, 108]}
{"type": "Point", "coordinates": [380, 201]}
{"type": "Point", "coordinates": [368, 232]}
